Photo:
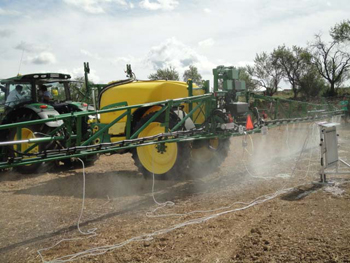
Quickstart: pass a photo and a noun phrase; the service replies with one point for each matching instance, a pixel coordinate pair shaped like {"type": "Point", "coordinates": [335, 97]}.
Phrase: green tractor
{"type": "Point", "coordinates": [32, 97]}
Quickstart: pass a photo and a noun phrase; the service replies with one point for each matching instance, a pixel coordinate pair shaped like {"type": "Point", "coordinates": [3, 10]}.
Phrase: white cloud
{"type": "Point", "coordinates": [159, 4]}
{"type": "Point", "coordinates": [31, 47]}
{"type": "Point", "coordinates": [122, 61]}
{"type": "Point", "coordinates": [5, 33]}
{"type": "Point", "coordinates": [89, 54]}
{"type": "Point", "coordinates": [111, 42]}
{"type": "Point", "coordinates": [79, 72]}
{"type": "Point", "coordinates": [119, 61]}
{"type": "Point", "coordinates": [95, 6]}
{"type": "Point", "coordinates": [42, 58]}
{"type": "Point", "coordinates": [4, 12]}
{"type": "Point", "coordinates": [244, 63]}
{"type": "Point", "coordinates": [206, 43]}
{"type": "Point", "coordinates": [207, 10]}
{"type": "Point", "coordinates": [176, 54]}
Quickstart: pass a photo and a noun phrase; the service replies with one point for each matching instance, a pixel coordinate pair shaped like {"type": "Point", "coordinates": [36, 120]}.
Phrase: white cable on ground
{"type": "Point", "coordinates": [244, 144]}
{"type": "Point", "coordinates": [90, 232]}
{"type": "Point", "coordinates": [93, 230]}
{"type": "Point", "coordinates": [147, 237]}
{"type": "Point", "coordinates": [160, 205]}
{"type": "Point", "coordinates": [169, 203]}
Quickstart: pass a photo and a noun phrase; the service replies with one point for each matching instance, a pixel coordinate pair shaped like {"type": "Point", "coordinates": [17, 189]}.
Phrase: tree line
{"type": "Point", "coordinates": [320, 67]}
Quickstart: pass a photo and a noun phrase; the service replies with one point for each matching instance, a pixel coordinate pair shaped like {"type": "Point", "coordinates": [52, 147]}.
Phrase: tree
{"type": "Point", "coordinates": [267, 72]}
{"type": "Point", "coordinates": [78, 90]}
{"type": "Point", "coordinates": [341, 32]}
{"type": "Point", "coordinates": [311, 83]}
{"type": "Point", "coordinates": [166, 74]}
{"type": "Point", "coordinates": [250, 83]}
{"type": "Point", "coordinates": [295, 64]}
{"type": "Point", "coordinates": [332, 63]}
{"type": "Point", "coordinates": [192, 73]}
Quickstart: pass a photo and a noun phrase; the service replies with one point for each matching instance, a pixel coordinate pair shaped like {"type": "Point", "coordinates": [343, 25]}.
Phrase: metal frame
{"type": "Point", "coordinates": [329, 148]}
{"type": "Point", "coordinates": [74, 146]}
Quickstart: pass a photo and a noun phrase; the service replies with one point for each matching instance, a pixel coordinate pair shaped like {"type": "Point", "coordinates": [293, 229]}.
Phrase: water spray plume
{"type": "Point", "coordinates": [249, 125]}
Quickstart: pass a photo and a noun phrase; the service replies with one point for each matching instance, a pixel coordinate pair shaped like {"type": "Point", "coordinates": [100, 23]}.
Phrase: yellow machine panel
{"type": "Point", "coordinates": [140, 92]}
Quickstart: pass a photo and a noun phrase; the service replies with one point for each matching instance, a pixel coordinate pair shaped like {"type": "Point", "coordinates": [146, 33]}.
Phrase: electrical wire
{"type": "Point", "coordinates": [149, 236]}
{"type": "Point", "coordinates": [90, 232]}
{"type": "Point", "coordinates": [160, 205]}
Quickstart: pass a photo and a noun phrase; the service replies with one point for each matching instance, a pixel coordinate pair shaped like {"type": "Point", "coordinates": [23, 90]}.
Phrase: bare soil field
{"type": "Point", "coordinates": [308, 223]}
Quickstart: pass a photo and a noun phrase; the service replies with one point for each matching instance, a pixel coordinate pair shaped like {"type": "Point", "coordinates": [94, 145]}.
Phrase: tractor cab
{"type": "Point", "coordinates": [39, 96]}
{"type": "Point", "coordinates": [52, 91]}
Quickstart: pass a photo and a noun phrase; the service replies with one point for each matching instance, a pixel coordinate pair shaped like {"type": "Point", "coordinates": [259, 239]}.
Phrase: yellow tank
{"type": "Point", "coordinates": [140, 92]}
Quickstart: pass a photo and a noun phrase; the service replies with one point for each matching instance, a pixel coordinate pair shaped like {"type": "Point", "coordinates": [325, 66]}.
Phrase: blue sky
{"type": "Point", "coordinates": [59, 35]}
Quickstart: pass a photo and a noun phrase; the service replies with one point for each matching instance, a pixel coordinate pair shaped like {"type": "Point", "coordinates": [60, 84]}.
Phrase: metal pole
{"type": "Point", "coordinates": [190, 93]}
{"type": "Point", "coordinates": [86, 72]}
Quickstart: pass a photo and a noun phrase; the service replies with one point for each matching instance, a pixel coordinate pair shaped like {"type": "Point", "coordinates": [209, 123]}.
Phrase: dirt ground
{"type": "Point", "coordinates": [310, 223]}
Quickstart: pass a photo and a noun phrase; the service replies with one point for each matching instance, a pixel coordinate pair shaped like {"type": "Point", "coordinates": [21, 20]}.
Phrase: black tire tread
{"type": "Point", "coordinates": [200, 169]}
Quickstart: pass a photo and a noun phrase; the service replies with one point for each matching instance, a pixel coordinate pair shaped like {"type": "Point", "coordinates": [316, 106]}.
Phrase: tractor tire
{"type": "Point", "coordinates": [207, 156]}
{"type": "Point", "coordinates": [168, 161]}
{"type": "Point", "coordinates": [27, 133]}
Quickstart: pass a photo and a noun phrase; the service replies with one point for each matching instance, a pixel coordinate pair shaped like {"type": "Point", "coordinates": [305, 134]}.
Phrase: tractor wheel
{"type": "Point", "coordinates": [208, 155]}
{"type": "Point", "coordinates": [167, 160]}
{"type": "Point", "coordinates": [28, 132]}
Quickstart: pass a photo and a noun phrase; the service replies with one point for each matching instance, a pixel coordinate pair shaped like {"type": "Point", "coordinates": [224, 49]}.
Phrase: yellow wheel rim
{"type": "Point", "coordinates": [204, 153]}
{"type": "Point", "coordinates": [26, 134]}
{"type": "Point", "coordinates": [150, 157]}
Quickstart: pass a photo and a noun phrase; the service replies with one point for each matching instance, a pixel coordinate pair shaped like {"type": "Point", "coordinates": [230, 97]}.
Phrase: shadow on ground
{"type": "Point", "coordinates": [98, 185]}
{"type": "Point", "coordinates": [172, 190]}
{"type": "Point", "coordinates": [299, 193]}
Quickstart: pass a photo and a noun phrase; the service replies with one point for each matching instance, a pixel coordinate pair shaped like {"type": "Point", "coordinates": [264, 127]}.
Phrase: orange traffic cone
{"type": "Point", "coordinates": [249, 125]}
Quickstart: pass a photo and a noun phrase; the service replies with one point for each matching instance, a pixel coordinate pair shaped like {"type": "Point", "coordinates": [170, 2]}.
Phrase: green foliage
{"type": "Point", "coordinates": [331, 61]}
{"type": "Point", "coordinates": [321, 67]}
{"type": "Point", "coordinates": [192, 73]}
{"type": "Point", "coordinates": [267, 72]}
{"type": "Point", "coordinates": [341, 32]}
{"type": "Point", "coordinates": [312, 84]}
{"type": "Point", "coordinates": [165, 74]}
{"type": "Point", "coordinates": [250, 83]}
{"type": "Point", "coordinates": [78, 90]}
{"type": "Point", "coordinates": [295, 63]}
{"type": "Point", "coordinates": [343, 91]}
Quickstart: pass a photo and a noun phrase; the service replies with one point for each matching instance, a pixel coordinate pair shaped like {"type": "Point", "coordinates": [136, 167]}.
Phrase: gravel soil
{"type": "Point", "coordinates": [307, 223]}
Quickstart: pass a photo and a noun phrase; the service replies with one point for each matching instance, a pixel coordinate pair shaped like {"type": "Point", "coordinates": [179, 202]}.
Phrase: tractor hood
{"type": "Point", "coordinates": [45, 111]}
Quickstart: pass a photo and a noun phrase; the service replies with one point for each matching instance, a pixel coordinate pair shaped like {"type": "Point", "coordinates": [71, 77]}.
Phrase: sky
{"type": "Point", "coordinates": [60, 35]}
